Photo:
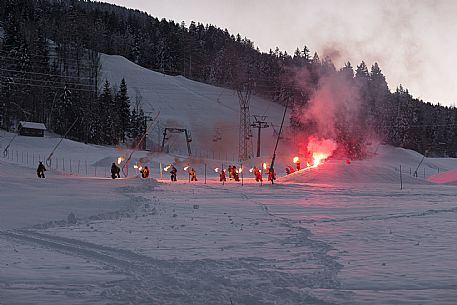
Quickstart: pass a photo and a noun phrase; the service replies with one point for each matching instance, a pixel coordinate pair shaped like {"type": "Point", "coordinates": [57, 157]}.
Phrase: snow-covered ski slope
{"type": "Point", "coordinates": [383, 166]}
{"type": "Point", "coordinates": [138, 242]}
{"type": "Point", "coordinates": [337, 234]}
{"type": "Point", "coordinates": [207, 111]}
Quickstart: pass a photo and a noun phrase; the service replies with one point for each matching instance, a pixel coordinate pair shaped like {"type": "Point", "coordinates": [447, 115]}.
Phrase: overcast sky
{"type": "Point", "coordinates": [414, 41]}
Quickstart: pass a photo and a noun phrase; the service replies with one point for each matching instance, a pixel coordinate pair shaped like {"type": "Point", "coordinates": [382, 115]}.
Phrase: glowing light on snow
{"type": "Point", "coordinates": [321, 150]}
{"type": "Point", "coordinates": [318, 158]}
{"type": "Point", "coordinates": [296, 159]}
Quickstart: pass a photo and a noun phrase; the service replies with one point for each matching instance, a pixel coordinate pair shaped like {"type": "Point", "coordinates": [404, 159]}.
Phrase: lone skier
{"type": "Point", "coordinates": [40, 170]}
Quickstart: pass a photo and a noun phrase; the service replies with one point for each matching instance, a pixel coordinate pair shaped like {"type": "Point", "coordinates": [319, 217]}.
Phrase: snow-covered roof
{"type": "Point", "coordinates": [32, 125]}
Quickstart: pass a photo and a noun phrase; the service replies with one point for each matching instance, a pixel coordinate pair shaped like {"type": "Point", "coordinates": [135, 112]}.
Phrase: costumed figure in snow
{"type": "Point", "coordinates": [115, 171]}
{"type": "Point", "coordinates": [40, 170]}
{"type": "Point", "coordinates": [230, 172]}
{"type": "Point", "coordinates": [145, 172]}
{"type": "Point", "coordinates": [271, 174]}
{"type": "Point", "coordinates": [222, 176]}
{"type": "Point", "coordinates": [235, 173]}
{"type": "Point", "coordinates": [257, 174]}
{"type": "Point", "coordinates": [193, 174]}
{"type": "Point", "coordinates": [173, 172]}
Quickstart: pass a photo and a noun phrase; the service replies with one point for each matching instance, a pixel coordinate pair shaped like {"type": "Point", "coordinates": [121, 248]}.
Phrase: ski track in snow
{"type": "Point", "coordinates": [288, 266]}
{"type": "Point", "coordinates": [338, 234]}
{"type": "Point", "coordinates": [245, 280]}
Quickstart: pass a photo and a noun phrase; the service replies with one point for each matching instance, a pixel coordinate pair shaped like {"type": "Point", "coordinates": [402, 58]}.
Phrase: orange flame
{"type": "Point", "coordinates": [318, 158]}
{"type": "Point", "coordinates": [296, 159]}
{"type": "Point", "coordinates": [264, 165]}
{"type": "Point", "coordinates": [120, 159]}
{"type": "Point", "coordinates": [321, 150]}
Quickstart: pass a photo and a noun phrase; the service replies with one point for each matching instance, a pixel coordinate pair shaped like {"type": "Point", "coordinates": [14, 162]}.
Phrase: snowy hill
{"type": "Point", "coordinates": [382, 167]}
{"type": "Point", "coordinates": [343, 226]}
{"type": "Point", "coordinates": [209, 112]}
{"type": "Point", "coordinates": [94, 160]}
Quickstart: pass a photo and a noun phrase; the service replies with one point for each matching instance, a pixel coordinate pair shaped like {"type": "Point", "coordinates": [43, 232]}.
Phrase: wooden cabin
{"type": "Point", "coordinates": [31, 129]}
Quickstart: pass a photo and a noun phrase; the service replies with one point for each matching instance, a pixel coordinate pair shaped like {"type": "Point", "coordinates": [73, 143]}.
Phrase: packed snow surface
{"type": "Point", "coordinates": [449, 177]}
{"type": "Point", "coordinates": [211, 114]}
{"type": "Point", "coordinates": [338, 234]}
{"type": "Point", "coordinates": [375, 231]}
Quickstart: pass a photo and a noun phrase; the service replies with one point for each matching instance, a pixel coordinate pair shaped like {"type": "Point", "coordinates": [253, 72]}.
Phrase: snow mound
{"type": "Point", "coordinates": [382, 167]}
{"type": "Point", "coordinates": [449, 177]}
{"type": "Point", "coordinates": [337, 171]}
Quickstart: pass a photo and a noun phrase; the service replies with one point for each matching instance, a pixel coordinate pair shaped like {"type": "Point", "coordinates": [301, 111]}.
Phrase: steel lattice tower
{"type": "Point", "coordinates": [245, 140]}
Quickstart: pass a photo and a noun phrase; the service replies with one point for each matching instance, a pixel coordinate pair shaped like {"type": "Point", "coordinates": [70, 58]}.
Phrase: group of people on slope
{"type": "Point", "coordinates": [232, 172]}
{"type": "Point", "coordinates": [191, 171]}
{"type": "Point", "coordinates": [258, 174]}
{"type": "Point", "coordinates": [115, 171]}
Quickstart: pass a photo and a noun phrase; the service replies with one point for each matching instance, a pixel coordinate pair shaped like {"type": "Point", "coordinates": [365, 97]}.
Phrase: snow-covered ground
{"type": "Point", "coordinates": [211, 114]}
{"type": "Point", "coordinates": [351, 237]}
{"type": "Point", "coordinates": [336, 234]}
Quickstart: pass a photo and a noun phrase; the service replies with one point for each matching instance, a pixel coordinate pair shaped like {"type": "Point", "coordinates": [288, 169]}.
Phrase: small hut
{"type": "Point", "coordinates": [31, 129]}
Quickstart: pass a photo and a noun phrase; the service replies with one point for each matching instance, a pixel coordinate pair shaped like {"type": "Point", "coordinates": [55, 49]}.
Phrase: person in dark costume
{"type": "Point", "coordinates": [173, 172]}
{"type": "Point", "coordinates": [115, 170]}
{"type": "Point", "coordinates": [235, 173]}
{"type": "Point", "coordinates": [145, 172]}
{"type": "Point", "coordinates": [40, 170]}
{"type": "Point", "coordinates": [222, 177]}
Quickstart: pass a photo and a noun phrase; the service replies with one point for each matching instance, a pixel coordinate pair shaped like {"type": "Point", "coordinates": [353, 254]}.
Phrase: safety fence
{"type": "Point", "coordinates": [421, 172]}
{"type": "Point", "coordinates": [63, 165]}
{"type": "Point", "coordinates": [78, 167]}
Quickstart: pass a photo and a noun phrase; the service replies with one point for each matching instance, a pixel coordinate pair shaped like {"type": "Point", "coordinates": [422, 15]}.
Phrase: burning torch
{"type": "Point", "coordinates": [297, 163]}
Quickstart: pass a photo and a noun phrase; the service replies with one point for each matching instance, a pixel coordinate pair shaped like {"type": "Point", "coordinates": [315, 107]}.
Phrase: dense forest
{"type": "Point", "coordinates": [49, 72]}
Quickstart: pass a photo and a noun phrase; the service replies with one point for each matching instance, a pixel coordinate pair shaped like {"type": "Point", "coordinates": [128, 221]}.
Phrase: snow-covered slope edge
{"type": "Point", "coordinates": [212, 114]}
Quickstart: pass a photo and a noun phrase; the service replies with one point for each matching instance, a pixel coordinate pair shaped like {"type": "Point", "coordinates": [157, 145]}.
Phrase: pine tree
{"type": "Point", "coordinates": [107, 110]}
{"type": "Point", "coordinates": [123, 110]}
{"type": "Point", "coordinates": [133, 128]}
{"type": "Point", "coordinates": [63, 113]}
